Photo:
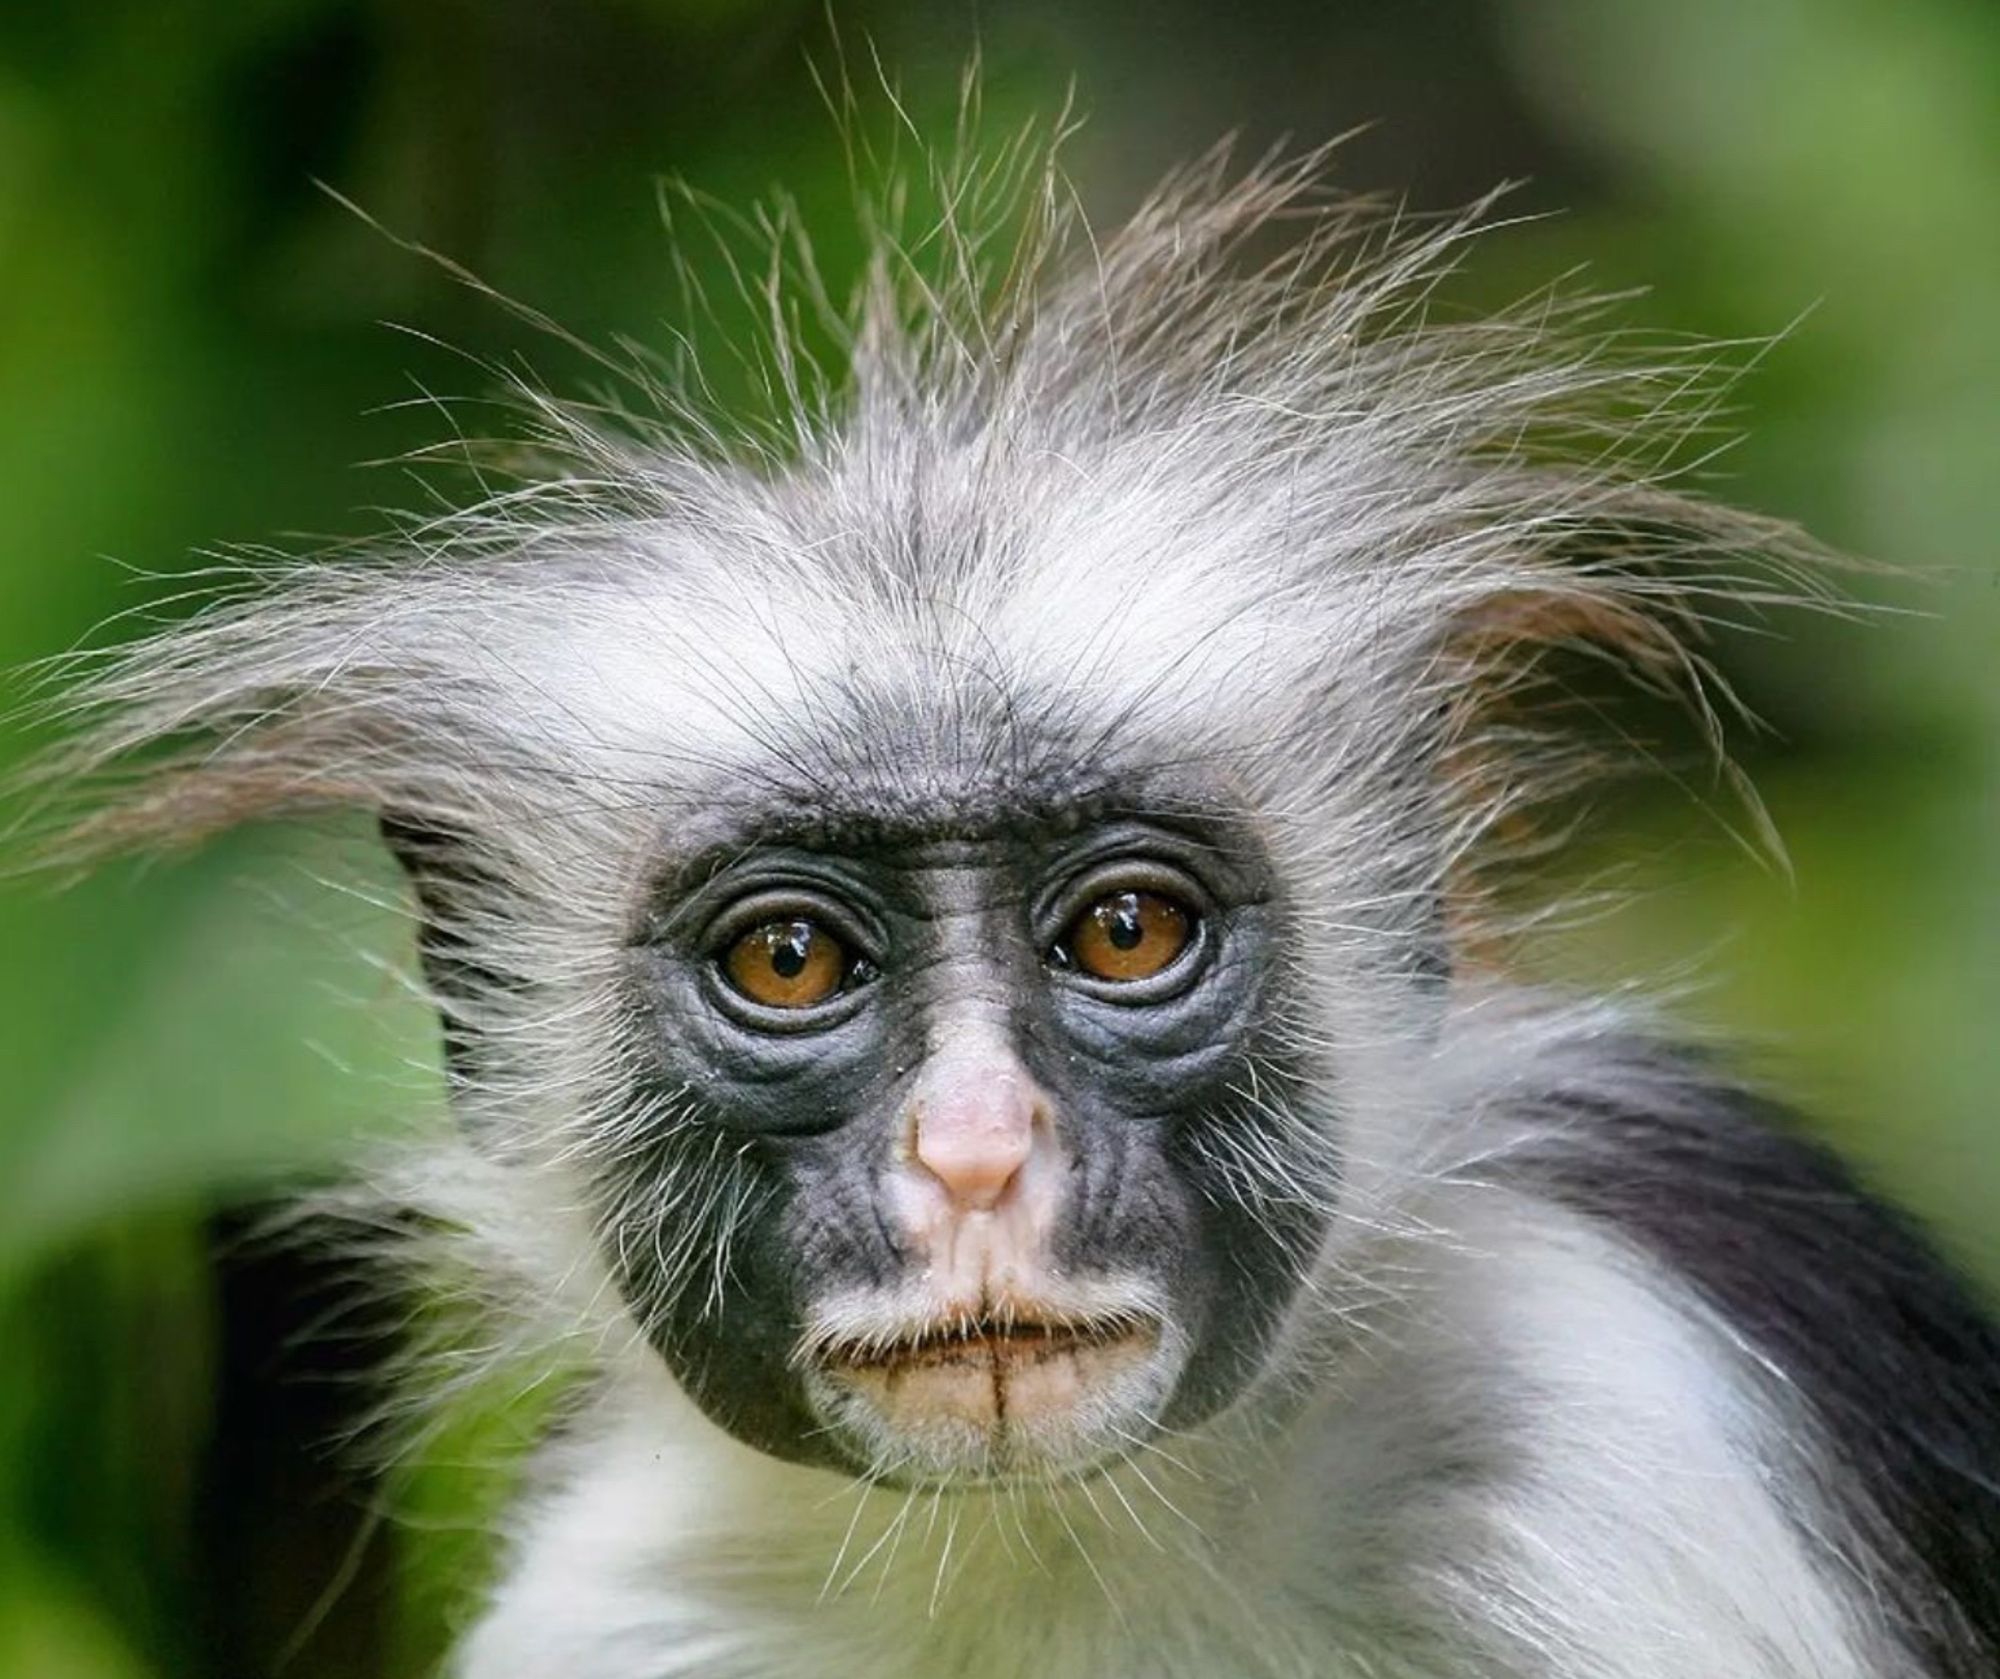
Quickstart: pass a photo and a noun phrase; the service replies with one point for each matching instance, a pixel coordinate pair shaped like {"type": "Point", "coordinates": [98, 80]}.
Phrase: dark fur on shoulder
{"type": "Point", "coordinates": [1841, 1294]}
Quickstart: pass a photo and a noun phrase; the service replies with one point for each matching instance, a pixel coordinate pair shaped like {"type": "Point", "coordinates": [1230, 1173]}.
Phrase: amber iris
{"type": "Point", "coordinates": [786, 964]}
{"type": "Point", "coordinates": [1127, 936]}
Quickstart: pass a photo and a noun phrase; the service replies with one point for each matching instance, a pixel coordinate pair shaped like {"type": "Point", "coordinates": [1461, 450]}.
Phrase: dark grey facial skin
{"type": "Point", "coordinates": [804, 1107]}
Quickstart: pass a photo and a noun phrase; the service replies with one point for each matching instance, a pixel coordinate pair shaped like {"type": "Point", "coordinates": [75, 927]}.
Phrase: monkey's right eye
{"type": "Point", "coordinates": [791, 964]}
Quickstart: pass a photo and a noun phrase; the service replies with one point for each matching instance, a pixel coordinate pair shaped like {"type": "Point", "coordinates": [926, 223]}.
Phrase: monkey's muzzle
{"type": "Point", "coordinates": [1008, 1389]}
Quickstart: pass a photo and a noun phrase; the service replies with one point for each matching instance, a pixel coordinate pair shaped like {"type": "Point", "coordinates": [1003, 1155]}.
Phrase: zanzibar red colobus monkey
{"type": "Point", "coordinates": [963, 928]}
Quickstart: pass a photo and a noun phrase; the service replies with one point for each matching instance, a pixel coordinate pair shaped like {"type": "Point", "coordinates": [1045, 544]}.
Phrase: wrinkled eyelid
{"type": "Point", "coordinates": [1058, 907]}
{"type": "Point", "coordinates": [760, 905]}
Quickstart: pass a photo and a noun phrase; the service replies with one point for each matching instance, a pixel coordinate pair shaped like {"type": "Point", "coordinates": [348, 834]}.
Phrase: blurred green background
{"type": "Point", "coordinates": [193, 350]}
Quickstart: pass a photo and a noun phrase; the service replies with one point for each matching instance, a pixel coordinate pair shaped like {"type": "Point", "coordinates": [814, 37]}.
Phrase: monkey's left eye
{"type": "Point", "coordinates": [791, 964]}
{"type": "Point", "coordinates": [1126, 936]}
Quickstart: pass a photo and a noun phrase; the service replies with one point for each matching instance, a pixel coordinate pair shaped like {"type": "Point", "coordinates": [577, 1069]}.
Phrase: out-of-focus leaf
{"type": "Point", "coordinates": [50, 1631]}
{"type": "Point", "coordinates": [228, 1026]}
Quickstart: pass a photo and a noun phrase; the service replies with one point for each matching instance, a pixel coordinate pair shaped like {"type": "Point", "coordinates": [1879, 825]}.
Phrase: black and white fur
{"type": "Point", "coordinates": [1579, 1364]}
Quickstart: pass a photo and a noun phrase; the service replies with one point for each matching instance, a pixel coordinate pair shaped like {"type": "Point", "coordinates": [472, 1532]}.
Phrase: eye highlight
{"type": "Point", "coordinates": [1126, 936]}
{"type": "Point", "coordinates": [789, 963]}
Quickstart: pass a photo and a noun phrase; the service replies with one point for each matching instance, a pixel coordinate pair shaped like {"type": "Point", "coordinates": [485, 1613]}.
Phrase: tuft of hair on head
{"type": "Point", "coordinates": [1508, 487]}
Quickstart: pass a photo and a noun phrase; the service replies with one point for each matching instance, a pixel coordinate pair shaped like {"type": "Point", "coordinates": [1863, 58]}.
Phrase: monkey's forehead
{"type": "Point", "coordinates": [881, 740]}
{"type": "Point", "coordinates": [933, 651]}
{"type": "Point", "coordinates": [954, 815]}
{"type": "Point", "coordinates": [832, 721]}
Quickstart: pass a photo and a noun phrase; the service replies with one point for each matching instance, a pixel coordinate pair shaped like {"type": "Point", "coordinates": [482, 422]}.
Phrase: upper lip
{"type": "Point", "coordinates": [987, 1330]}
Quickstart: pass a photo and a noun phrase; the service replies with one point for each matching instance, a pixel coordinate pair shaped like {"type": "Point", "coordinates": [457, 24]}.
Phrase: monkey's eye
{"type": "Point", "coordinates": [1126, 936]}
{"type": "Point", "coordinates": [790, 964]}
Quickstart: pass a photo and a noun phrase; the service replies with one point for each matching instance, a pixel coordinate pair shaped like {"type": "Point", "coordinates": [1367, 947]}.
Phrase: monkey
{"type": "Point", "coordinates": [977, 1004]}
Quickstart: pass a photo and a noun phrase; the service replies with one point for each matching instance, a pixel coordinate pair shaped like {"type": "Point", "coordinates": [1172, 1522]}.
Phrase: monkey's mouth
{"type": "Point", "coordinates": [1010, 1383]}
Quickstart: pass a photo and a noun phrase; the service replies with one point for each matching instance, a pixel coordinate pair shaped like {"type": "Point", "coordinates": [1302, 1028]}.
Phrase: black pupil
{"type": "Point", "coordinates": [1122, 925]}
{"type": "Point", "coordinates": [790, 947]}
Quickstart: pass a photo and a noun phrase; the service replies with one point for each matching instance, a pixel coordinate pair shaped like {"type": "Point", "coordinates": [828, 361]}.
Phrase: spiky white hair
{"type": "Point", "coordinates": [1146, 498]}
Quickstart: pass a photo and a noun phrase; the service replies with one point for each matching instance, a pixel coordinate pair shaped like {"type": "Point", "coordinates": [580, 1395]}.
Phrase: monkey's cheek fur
{"type": "Point", "coordinates": [995, 1403]}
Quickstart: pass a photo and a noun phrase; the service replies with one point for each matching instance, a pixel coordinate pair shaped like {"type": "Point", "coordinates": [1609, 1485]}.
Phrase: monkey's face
{"type": "Point", "coordinates": [948, 1180]}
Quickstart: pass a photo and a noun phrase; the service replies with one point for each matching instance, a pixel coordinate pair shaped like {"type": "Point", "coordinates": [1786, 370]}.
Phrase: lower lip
{"type": "Point", "coordinates": [1022, 1376]}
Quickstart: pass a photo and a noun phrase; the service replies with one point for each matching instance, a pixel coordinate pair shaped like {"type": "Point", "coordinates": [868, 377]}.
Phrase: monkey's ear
{"type": "Point", "coordinates": [1548, 691]}
{"type": "Point", "coordinates": [1505, 636]}
{"type": "Point", "coordinates": [447, 882]}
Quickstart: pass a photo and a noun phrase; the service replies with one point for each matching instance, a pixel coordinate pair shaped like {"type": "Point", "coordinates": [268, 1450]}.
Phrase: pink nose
{"type": "Point", "coordinates": [975, 1127]}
